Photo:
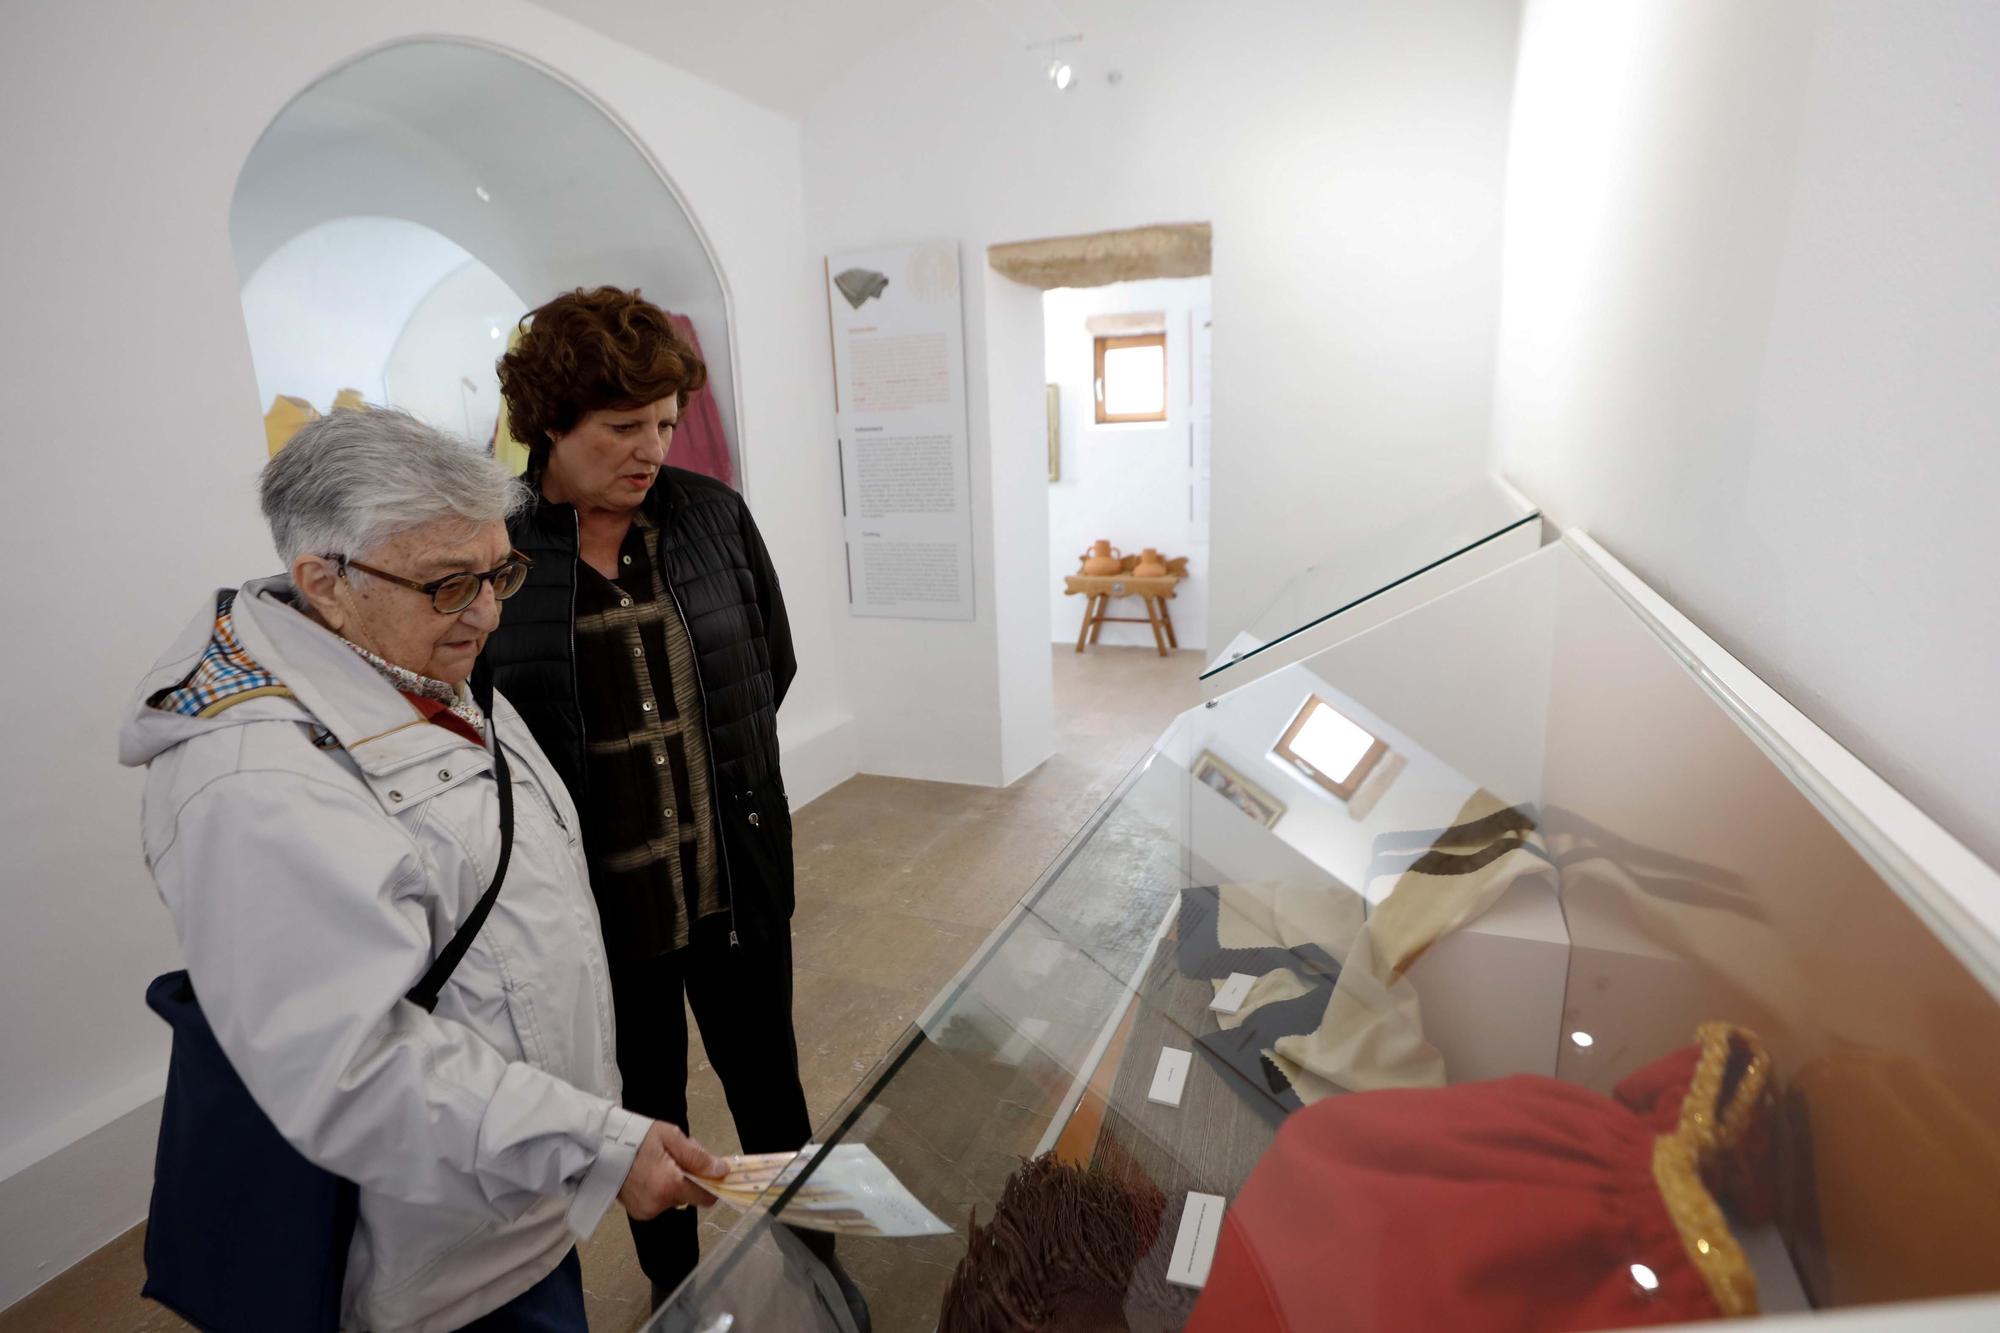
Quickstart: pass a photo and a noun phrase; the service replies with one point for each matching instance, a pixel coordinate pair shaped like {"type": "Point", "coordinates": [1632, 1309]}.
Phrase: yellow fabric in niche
{"type": "Point", "coordinates": [282, 422]}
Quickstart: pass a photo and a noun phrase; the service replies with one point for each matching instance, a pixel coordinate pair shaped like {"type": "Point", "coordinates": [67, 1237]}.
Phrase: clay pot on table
{"type": "Point", "coordinates": [1151, 564]}
{"type": "Point", "coordinates": [1103, 558]}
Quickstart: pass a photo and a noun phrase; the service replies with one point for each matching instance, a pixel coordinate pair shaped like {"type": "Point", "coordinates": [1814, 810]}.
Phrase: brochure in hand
{"type": "Point", "coordinates": [849, 1192]}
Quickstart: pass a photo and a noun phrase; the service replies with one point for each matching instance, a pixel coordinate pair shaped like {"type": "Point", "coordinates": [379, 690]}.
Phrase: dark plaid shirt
{"type": "Point", "coordinates": [649, 826]}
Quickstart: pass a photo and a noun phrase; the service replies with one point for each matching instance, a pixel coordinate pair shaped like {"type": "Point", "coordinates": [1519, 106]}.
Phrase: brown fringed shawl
{"type": "Point", "coordinates": [1057, 1256]}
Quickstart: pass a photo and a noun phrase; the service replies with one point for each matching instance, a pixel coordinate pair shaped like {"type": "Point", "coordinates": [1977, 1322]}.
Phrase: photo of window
{"type": "Point", "coordinates": [1238, 790]}
{"type": "Point", "coordinates": [1331, 749]}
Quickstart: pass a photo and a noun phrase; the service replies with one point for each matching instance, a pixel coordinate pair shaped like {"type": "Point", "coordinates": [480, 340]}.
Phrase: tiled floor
{"type": "Point", "coordinates": [898, 881]}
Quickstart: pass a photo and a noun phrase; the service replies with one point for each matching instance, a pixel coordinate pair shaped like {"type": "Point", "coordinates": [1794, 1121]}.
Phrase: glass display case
{"type": "Point", "coordinates": [1491, 969]}
{"type": "Point", "coordinates": [1375, 575]}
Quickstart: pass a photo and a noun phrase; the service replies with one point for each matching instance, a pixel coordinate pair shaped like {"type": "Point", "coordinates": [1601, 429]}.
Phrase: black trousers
{"type": "Point", "coordinates": [742, 1002]}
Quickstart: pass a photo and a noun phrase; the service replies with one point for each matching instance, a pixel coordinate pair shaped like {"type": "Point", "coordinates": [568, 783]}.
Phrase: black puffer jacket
{"type": "Point", "coordinates": [721, 577]}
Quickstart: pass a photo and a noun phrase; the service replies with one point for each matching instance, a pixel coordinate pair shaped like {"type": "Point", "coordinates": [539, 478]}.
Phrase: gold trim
{"type": "Point", "coordinates": [221, 706]}
{"type": "Point", "coordinates": [1703, 1134]}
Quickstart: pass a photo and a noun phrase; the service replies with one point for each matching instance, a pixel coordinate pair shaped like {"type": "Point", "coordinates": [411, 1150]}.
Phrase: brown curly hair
{"type": "Point", "coordinates": [587, 350]}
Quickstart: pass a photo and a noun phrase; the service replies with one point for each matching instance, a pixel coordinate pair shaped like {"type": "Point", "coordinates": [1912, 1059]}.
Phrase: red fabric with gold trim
{"type": "Point", "coordinates": [1521, 1203]}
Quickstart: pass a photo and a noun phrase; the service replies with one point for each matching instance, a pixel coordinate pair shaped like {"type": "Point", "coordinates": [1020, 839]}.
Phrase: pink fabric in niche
{"type": "Point", "coordinates": [699, 444]}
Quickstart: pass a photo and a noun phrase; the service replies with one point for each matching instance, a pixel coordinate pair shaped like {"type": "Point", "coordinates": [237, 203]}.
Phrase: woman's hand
{"type": "Point", "coordinates": [659, 1180]}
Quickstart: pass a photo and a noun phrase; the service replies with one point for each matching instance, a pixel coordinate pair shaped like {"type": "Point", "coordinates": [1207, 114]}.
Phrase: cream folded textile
{"type": "Point", "coordinates": [1371, 1035]}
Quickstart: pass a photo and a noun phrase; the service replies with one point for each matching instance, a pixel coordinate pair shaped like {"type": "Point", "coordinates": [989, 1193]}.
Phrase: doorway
{"type": "Point", "coordinates": [1128, 368]}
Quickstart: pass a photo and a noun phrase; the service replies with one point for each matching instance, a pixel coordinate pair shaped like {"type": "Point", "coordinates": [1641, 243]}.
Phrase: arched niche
{"type": "Point", "coordinates": [410, 191]}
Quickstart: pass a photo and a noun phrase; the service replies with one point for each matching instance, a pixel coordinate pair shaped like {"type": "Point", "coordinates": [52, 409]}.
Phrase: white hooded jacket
{"type": "Point", "coordinates": [317, 844]}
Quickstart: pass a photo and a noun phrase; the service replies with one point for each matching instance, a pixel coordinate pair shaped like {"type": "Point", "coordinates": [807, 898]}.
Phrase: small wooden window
{"type": "Point", "coordinates": [1132, 378]}
{"type": "Point", "coordinates": [1330, 748]}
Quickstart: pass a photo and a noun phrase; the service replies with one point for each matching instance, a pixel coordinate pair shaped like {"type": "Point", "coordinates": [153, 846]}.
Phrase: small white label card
{"type": "Point", "coordinates": [1194, 1247]}
{"type": "Point", "coordinates": [1233, 993]}
{"type": "Point", "coordinates": [1170, 1077]}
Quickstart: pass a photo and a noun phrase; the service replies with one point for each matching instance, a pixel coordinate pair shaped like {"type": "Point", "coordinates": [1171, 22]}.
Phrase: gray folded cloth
{"type": "Point", "coordinates": [859, 285]}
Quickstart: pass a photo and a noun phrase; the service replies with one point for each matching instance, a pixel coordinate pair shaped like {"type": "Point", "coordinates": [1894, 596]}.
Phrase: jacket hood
{"type": "Point", "coordinates": [324, 682]}
{"type": "Point", "coordinates": [151, 731]}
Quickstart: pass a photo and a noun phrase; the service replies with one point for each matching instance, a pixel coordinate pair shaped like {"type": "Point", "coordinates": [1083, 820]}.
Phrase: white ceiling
{"type": "Point", "coordinates": [786, 54]}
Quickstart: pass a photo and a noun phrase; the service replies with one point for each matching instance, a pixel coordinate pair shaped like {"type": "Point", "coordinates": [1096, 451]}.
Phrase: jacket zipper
{"type": "Point", "coordinates": [701, 692]}
{"type": "Point", "coordinates": [708, 740]}
{"type": "Point", "coordinates": [576, 691]}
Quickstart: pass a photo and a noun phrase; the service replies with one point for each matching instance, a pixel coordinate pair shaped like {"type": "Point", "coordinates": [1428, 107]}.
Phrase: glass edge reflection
{"type": "Point", "coordinates": [1213, 671]}
{"type": "Point", "coordinates": [715, 1267]}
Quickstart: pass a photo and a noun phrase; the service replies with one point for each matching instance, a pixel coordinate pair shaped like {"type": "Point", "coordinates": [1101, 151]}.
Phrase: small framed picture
{"type": "Point", "coordinates": [1238, 790]}
{"type": "Point", "coordinates": [1054, 405]}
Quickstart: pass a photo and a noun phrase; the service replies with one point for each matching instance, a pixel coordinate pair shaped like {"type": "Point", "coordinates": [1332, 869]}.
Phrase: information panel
{"type": "Point", "coordinates": [905, 459]}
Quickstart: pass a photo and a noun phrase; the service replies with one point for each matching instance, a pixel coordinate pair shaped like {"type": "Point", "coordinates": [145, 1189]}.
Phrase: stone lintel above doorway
{"type": "Point", "coordinates": [1170, 250]}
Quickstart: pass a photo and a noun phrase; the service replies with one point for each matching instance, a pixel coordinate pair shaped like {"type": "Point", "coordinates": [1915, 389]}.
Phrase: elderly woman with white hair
{"type": "Point", "coordinates": [322, 814]}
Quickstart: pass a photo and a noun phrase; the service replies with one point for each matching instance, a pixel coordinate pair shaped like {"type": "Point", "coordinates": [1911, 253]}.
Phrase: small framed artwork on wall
{"type": "Point", "coordinates": [1055, 432]}
{"type": "Point", "coordinates": [1238, 790]}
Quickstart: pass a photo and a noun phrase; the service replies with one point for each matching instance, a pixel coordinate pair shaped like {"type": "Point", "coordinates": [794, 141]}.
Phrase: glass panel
{"type": "Point", "coordinates": [1577, 1013]}
{"type": "Point", "coordinates": [1364, 565]}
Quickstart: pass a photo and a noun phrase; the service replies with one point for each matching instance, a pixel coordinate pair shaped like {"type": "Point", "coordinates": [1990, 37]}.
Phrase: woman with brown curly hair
{"type": "Point", "coordinates": [648, 652]}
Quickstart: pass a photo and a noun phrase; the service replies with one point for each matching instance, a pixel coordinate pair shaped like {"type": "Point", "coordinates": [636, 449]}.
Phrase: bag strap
{"type": "Point", "coordinates": [425, 993]}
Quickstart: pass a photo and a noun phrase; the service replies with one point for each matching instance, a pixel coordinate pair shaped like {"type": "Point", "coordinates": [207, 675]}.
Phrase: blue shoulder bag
{"type": "Point", "coordinates": [244, 1234]}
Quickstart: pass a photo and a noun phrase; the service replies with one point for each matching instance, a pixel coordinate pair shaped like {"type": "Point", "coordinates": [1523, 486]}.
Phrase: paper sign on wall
{"type": "Point", "coordinates": [905, 461]}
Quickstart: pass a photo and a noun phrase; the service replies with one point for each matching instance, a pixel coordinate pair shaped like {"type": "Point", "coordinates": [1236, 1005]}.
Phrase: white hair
{"type": "Point", "coordinates": [358, 477]}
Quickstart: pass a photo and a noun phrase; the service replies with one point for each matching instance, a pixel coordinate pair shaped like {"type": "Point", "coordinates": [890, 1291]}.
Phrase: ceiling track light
{"type": "Point", "coordinates": [1061, 74]}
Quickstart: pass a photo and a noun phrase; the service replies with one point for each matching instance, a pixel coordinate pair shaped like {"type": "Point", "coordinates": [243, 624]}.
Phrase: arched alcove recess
{"type": "Point", "coordinates": [520, 170]}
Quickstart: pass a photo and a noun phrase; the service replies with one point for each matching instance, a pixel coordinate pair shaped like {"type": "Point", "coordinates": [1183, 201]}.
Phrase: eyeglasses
{"type": "Point", "coordinates": [454, 592]}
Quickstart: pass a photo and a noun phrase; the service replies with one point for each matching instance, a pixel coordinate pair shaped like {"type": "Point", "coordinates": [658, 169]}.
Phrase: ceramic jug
{"type": "Point", "coordinates": [1103, 558]}
{"type": "Point", "coordinates": [1151, 564]}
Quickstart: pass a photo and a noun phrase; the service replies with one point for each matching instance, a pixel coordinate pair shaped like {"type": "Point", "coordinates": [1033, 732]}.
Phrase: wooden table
{"type": "Point", "coordinates": [1097, 591]}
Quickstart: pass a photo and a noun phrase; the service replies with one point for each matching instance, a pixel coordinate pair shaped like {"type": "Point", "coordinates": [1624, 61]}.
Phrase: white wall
{"type": "Point", "coordinates": [127, 367]}
{"type": "Point", "coordinates": [386, 307]}
{"type": "Point", "coordinates": [442, 368]}
{"type": "Point", "coordinates": [1130, 483]}
{"type": "Point", "coordinates": [1752, 298]}
{"type": "Point", "coordinates": [324, 310]}
{"type": "Point", "coordinates": [1349, 154]}
{"type": "Point", "coordinates": [1018, 426]}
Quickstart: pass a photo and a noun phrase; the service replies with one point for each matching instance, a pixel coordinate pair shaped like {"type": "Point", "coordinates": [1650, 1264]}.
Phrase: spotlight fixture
{"type": "Point", "coordinates": [1061, 74]}
{"type": "Point", "coordinates": [484, 197]}
{"type": "Point", "coordinates": [493, 332]}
